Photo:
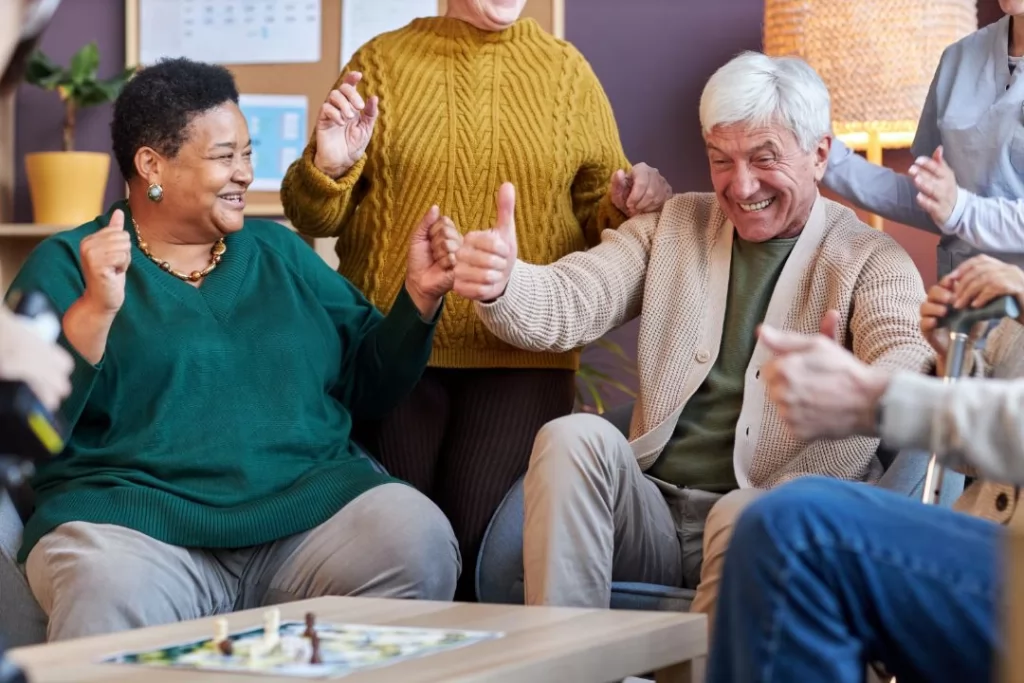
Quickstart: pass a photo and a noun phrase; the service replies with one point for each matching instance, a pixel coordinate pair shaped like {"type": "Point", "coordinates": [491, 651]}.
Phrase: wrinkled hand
{"type": "Point", "coordinates": [940, 296]}
{"type": "Point", "coordinates": [981, 279]}
{"type": "Point", "coordinates": [106, 255]}
{"type": "Point", "coordinates": [344, 127]}
{"type": "Point", "coordinates": [26, 357]}
{"type": "Point", "coordinates": [484, 263]}
{"type": "Point", "coordinates": [431, 265]}
{"type": "Point", "coordinates": [822, 390]}
{"type": "Point", "coordinates": [936, 186]}
{"type": "Point", "coordinates": [643, 190]}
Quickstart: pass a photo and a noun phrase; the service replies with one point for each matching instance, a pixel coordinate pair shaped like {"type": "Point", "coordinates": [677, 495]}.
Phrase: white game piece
{"type": "Point", "coordinates": [220, 631]}
{"type": "Point", "coordinates": [271, 628]}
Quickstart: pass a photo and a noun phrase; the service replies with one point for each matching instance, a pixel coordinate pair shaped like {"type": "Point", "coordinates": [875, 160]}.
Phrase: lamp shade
{"type": "Point", "coordinates": [877, 57]}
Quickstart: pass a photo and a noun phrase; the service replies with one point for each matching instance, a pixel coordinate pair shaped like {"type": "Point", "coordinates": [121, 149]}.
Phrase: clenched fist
{"type": "Point", "coordinates": [430, 272]}
{"type": "Point", "coordinates": [642, 190]}
{"type": "Point", "coordinates": [105, 256]}
{"type": "Point", "coordinates": [344, 127]}
{"type": "Point", "coordinates": [485, 260]}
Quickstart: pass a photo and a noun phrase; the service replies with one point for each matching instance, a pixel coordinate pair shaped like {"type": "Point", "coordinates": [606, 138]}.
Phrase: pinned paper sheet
{"type": "Point", "coordinates": [230, 31]}
{"type": "Point", "coordinates": [362, 20]}
{"type": "Point", "coordinates": [277, 125]}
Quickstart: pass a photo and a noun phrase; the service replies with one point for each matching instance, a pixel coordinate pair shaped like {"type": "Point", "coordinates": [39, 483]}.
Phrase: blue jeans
{"type": "Point", "coordinates": [823, 577]}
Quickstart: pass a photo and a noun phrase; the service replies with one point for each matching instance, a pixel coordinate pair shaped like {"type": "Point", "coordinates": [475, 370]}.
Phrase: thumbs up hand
{"type": "Point", "coordinates": [430, 269]}
{"type": "Point", "coordinates": [483, 265]}
{"type": "Point", "coordinates": [105, 256]}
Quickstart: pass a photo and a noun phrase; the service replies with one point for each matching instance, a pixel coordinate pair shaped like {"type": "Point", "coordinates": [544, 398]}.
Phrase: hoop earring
{"type": "Point", "coordinates": [155, 192]}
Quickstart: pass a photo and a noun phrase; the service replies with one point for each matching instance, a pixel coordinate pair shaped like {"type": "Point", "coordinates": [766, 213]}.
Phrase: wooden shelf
{"type": "Point", "coordinates": [33, 230]}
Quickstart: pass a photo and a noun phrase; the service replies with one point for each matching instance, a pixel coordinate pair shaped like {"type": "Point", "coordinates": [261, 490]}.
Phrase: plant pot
{"type": "Point", "coordinates": [67, 188]}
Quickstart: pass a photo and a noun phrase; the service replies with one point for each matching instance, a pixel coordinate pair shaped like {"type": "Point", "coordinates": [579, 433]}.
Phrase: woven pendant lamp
{"type": "Point", "coordinates": [877, 58]}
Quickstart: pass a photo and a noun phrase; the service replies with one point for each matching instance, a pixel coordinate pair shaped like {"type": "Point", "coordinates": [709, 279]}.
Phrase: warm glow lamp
{"type": "Point", "coordinates": [877, 58]}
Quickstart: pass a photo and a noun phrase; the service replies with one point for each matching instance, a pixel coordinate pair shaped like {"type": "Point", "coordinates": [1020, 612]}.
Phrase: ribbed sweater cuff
{"type": "Point", "coordinates": [320, 184]}
{"type": "Point", "coordinates": [503, 314]}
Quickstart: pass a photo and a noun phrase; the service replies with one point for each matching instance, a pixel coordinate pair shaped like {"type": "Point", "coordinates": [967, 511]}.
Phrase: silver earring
{"type": "Point", "coordinates": [155, 192]}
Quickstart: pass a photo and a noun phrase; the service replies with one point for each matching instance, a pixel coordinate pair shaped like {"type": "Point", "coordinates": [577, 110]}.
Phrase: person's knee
{"type": "Point", "coordinates": [787, 512]}
{"type": "Point", "coordinates": [577, 447]}
{"type": "Point", "coordinates": [421, 547]}
{"type": "Point", "coordinates": [718, 528]}
{"type": "Point", "coordinates": [74, 574]}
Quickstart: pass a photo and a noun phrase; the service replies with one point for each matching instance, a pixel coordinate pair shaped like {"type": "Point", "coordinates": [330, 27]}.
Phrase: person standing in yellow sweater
{"type": "Point", "coordinates": [455, 106]}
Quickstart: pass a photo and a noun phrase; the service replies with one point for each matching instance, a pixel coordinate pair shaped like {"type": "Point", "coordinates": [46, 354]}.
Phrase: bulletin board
{"type": "Point", "coordinates": [309, 79]}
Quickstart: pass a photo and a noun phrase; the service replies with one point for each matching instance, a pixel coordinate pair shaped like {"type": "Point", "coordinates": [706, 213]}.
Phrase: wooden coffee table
{"type": "Point", "coordinates": [541, 644]}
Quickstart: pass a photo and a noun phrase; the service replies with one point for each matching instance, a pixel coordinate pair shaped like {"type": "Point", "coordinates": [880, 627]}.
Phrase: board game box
{"type": "Point", "coordinates": [303, 649]}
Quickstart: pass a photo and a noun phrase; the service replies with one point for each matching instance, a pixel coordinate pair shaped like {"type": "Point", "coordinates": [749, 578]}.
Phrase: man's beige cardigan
{"type": "Point", "coordinates": [673, 267]}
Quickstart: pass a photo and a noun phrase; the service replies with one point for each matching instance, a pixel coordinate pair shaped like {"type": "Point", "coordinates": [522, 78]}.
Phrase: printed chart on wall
{"type": "Point", "coordinates": [230, 31]}
{"type": "Point", "coordinates": [362, 20]}
{"type": "Point", "coordinates": [277, 125]}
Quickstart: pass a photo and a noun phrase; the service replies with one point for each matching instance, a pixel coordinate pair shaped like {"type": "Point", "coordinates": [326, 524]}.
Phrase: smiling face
{"type": "Point", "coordinates": [488, 15]}
{"type": "Point", "coordinates": [765, 183]}
{"type": "Point", "coordinates": [206, 181]}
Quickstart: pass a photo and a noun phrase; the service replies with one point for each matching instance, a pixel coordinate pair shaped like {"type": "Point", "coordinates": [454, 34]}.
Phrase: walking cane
{"type": "Point", "coordinates": [959, 323]}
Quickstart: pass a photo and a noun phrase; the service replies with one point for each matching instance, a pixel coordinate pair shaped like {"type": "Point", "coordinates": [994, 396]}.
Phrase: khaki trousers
{"type": "Point", "coordinates": [591, 517]}
{"type": "Point", "coordinates": [99, 578]}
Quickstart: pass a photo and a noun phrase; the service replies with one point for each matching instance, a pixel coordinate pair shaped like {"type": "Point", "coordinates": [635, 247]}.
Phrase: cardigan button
{"type": "Point", "coordinates": [703, 356]}
{"type": "Point", "coordinates": [1002, 500]}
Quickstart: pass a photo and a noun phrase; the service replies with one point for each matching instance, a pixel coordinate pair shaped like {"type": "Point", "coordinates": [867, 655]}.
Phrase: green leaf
{"type": "Point", "coordinates": [41, 72]}
{"type": "Point", "coordinates": [84, 63]}
{"type": "Point", "coordinates": [89, 94]}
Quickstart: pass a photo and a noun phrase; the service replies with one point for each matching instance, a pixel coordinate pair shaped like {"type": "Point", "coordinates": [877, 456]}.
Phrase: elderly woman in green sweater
{"type": "Point", "coordinates": [218, 366]}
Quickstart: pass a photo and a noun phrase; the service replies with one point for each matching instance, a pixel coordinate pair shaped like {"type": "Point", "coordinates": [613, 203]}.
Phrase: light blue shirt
{"type": "Point", "coordinates": [975, 110]}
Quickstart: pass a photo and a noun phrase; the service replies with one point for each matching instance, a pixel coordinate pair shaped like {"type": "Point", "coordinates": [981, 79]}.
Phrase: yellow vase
{"type": "Point", "coordinates": [67, 188]}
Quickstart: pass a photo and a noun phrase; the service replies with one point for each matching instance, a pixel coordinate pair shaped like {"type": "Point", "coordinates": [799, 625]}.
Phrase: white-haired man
{"type": "Point", "coordinates": [704, 272]}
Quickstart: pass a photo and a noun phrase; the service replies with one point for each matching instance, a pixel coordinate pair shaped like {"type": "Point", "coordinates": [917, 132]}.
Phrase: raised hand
{"type": "Point", "coordinates": [936, 186]}
{"type": "Point", "coordinates": [344, 127]}
{"type": "Point", "coordinates": [431, 266]}
{"type": "Point", "coordinates": [643, 190]}
{"type": "Point", "coordinates": [105, 257]}
{"type": "Point", "coordinates": [484, 263]}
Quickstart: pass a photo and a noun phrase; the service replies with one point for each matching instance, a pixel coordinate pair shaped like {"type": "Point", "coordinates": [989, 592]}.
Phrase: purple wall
{"type": "Point", "coordinates": [653, 58]}
{"type": "Point", "coordinates": [39, 114]}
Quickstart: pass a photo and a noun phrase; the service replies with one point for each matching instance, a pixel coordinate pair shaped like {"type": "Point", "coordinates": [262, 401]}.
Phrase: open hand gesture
{"type": "Point", "coordinates": [344, 127]}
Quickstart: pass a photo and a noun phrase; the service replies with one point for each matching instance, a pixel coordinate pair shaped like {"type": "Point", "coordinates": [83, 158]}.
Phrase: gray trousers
{"type": "Point", "coordinates": [591, 517]}
{"type": "Point", "coordinates": [99, 578]}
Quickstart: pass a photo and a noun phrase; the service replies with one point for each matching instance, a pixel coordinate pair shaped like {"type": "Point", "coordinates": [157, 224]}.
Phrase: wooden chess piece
{"type": "Point", "coordinates": [226, 648]}
{"type": "Point", "coordinates": [315, 642]}
{"type": "Point", "coordinates": [310, 625]}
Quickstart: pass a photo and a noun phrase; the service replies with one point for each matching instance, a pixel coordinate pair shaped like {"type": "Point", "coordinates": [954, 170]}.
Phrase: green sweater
{"type": "Point", "coordinates": [219, 416]}
{"type": "Point", "coordinates": [700, 453]}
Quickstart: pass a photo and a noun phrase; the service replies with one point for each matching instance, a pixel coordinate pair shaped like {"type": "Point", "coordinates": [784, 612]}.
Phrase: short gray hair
{"type": "Point", "coordinates": [760, 91]}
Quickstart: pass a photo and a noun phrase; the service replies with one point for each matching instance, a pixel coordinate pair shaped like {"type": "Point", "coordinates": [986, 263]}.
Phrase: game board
{"type": "Point", "coordinates": [303, 650]}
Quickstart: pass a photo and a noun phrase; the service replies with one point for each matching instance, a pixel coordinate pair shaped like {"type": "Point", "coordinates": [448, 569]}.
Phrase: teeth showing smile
{"type": "Point", "coordinates": [759, 206]}
{"type": "Point", "coordinates": [236, 198]}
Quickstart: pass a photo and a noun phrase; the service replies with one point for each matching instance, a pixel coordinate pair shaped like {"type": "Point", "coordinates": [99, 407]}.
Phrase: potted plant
{"type": "Point", "coordinates": [67, 187]}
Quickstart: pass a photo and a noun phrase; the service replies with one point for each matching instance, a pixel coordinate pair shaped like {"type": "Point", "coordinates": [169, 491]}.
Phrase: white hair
{"type": "Point", "coordinates": [758, 90]}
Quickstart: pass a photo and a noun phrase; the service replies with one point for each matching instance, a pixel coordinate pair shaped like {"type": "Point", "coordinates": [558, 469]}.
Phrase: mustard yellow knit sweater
{"type": "Point", "coordinates": [461, 111]}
